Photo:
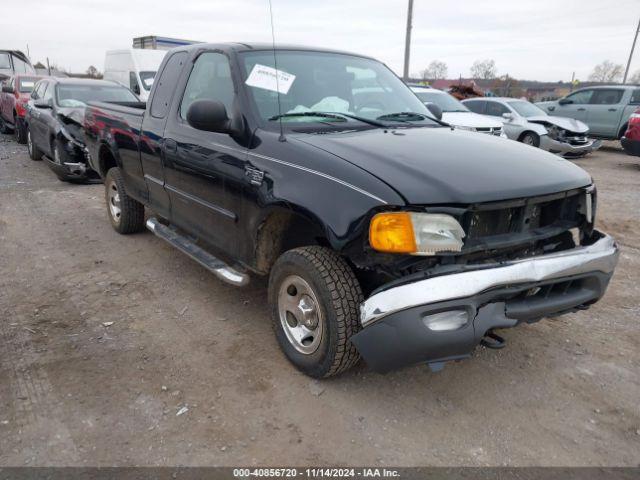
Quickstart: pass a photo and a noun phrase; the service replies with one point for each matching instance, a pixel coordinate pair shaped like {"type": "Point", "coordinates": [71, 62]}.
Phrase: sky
{"type": "Point", "coordinates": [544, 40]}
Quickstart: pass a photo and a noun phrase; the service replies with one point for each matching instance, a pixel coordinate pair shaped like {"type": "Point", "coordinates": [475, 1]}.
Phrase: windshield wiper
{"type": "Point", "coordinates": [336, 115]}
{"type": "Point", "coordinates": [408, 117]}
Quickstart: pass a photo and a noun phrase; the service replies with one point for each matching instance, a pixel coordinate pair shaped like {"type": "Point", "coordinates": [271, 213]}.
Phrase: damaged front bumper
{"type": "Point", "coordinates": [445, 317]}
{"type": "Point", "coordinates": [567, 149]}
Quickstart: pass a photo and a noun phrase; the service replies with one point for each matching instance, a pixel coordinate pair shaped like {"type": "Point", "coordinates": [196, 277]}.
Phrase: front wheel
{"type": "Point", "coordinates": [315, 298]}
{"type": "Point", "coordinates": [34, 152]}
{"type": "Point", "coordinates": [531, 138]}
{"type": "Point", "coordinates": [125, 213]}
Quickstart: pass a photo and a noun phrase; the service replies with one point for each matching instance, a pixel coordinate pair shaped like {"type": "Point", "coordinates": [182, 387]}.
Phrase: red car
{"type": "Point", "coordinates": [15, 94]}
{"type": "Point", "coordinates": [631, 140]}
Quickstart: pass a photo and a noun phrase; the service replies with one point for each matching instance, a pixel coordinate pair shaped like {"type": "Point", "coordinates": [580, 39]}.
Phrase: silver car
{"type": "Point", "coordinates": [525, 122]}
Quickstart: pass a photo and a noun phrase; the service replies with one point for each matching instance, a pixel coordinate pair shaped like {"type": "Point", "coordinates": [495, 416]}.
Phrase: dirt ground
{"type": "Point", "coordinates": [105, 338]}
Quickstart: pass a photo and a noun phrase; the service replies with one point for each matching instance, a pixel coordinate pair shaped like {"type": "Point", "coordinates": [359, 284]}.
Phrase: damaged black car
{"type": "Point", "coordinates": [54, 119]}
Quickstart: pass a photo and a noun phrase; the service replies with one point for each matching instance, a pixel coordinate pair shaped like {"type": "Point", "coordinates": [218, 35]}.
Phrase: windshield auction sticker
{"type": "Point", "coordinates": [269, 78]}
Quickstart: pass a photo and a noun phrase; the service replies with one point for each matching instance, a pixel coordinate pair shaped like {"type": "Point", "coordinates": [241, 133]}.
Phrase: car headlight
{"type": "Point", "coordinates": [415, 233]}
{"type": "Point", "coordinates": [461, 127]}
{"type": "Point", "coordinates": [553, 132]}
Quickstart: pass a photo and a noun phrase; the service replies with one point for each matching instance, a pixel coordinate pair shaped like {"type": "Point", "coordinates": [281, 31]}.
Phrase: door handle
{"type": "Point", "coordinates": [612, 109]}
{"type": "Point", "coordinates": [581, 109]}
{"type": "Point", "coordinates": [170, 145]}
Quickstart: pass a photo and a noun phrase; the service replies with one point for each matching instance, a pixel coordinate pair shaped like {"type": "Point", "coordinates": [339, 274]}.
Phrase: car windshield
{"type": "Point", "coordinates": [445, 101]}
{"type": "Point", "coordinates": [26, 84]}
{"type": "Point", "coordinates": [79, 95]}
{"type": "Point", "coordinates": [147, 79]}
{"type": "Point", "coordinates": [335, 83]}
{"type": "Point", "coordinates": [526, 109]}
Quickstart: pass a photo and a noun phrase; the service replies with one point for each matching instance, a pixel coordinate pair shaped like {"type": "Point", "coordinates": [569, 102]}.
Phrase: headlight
{"type": "Point", "coordinates": [415, 233]}
{"type": "Point", "coordinates": [553, 132]}
{"type": "Point", "coordinates": [460, 127]}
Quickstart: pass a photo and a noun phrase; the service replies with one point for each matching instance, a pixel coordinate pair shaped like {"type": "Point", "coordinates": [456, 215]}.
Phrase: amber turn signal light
{"type": "Point", "coordinates": [392, 233]}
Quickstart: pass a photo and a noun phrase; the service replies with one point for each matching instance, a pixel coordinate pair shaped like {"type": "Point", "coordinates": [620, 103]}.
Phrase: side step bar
{"type": "Point", "coordinates": [220, 269]}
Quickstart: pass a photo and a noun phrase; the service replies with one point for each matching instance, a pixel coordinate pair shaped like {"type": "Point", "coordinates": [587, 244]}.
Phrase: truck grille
{"type": "Point", "coordinates": [521, 219]}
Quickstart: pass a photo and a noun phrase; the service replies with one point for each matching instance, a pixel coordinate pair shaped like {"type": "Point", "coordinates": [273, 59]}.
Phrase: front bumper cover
{"type": "Point", "coordinates": [394, 331]}
{"type": "Point", "coordinates": [567, 149]}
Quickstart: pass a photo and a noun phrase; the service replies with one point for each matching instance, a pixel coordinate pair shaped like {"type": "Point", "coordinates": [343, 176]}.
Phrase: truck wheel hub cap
{"type": "Point", "coordinates": [299, 314]}
{"type": "Point", "coordinates": [114, 202]}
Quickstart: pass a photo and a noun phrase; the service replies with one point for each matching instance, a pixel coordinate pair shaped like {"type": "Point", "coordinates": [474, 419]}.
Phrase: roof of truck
{"type": "Point", "coordinates": [244, 47]}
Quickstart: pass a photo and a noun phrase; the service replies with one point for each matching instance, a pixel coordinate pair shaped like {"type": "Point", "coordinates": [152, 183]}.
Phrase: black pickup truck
{"type": "Point", "coordinates": [385, 233]}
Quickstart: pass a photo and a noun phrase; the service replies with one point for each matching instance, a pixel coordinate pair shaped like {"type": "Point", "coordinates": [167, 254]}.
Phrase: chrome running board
{"type": "Point", "coordinates": [220, 269]}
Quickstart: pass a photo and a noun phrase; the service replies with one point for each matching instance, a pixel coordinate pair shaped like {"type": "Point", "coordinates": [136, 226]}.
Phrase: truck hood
{"type": "Point", "coordinates": [565, 123]}
{"type": "Point", "coordinates": [470, 119]}
{"type": "Point", "coordinates": [445, 166]}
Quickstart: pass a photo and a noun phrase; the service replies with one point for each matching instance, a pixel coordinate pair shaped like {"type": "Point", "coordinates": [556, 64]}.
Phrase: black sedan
{"type": "Point", "coordinates": [54, 120]}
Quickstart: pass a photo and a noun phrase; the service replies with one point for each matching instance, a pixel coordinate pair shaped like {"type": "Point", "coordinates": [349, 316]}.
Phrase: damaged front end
{"type": "Point", "coordinates": [568, 139]}
{"type": "Point", "coordinates": [70, 157]}
{"type": "Point", "coordinates": [444, 312]}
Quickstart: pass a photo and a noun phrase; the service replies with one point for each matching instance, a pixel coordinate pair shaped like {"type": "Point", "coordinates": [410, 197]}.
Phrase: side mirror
{"type": "Point", "coordinates": [435, 110]}
{"type": "Point", "coordinates": [7, 89]}
{"type": "Point", "coordinates": [209, 115]}
{"type": "Point", "coordinates": [565, 101]}
{"type": "Point", "coordinates": [42, 103]}
{"type": "Point", "coordinates": [507, 116]}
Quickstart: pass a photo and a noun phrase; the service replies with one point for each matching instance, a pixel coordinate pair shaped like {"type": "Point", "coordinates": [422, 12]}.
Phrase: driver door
{"type": "Point", "coordinates": [576, 106]}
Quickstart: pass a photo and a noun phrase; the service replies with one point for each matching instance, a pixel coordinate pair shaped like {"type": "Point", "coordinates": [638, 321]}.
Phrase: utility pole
{"type": "Point", "coordinates": [407, 41]}
{"type": "Point", "coordinates": [633, 46]}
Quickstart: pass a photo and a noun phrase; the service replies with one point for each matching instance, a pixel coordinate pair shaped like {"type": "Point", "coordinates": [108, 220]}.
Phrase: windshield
{"type": "Point", "coordinates": [526, 109]}
{"type": "Point", "coordinates": [445, 101]}
{"type": "Point", "coordinates": [79, 95]}
{"type": "Point", "coordinates": [147, 79]}
{"type": "Point", "coordinates": [26, 84]}
{"type": "Point", "coordinates": [328, 82]}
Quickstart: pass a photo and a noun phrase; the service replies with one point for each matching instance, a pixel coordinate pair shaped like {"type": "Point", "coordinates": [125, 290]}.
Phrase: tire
{"type": "Point", "coordinates": [34, 152]}
{"type": "Point", "coordinates": [3, 126]}
{"type": "Point", "coordinates": [530, 138]}
{"type": "Point", "coordinates": [125, 214]}
{"type": "Point", "coordinates": [315, 279]}
{"type": "Point", "coordinates": [20, 132]}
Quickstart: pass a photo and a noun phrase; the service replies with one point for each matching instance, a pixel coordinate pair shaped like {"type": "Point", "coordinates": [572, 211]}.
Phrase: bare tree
{"type": "Point", "coordinates": [635, 78]}
{"type": "Point", "coordinates": [484, 69]}
{"type": "Point", "coordinates": [435, 71]}
{"type": "Point", "coordinates": [93, 72]}
{"type": "Point", "coordinates": [607, 72]}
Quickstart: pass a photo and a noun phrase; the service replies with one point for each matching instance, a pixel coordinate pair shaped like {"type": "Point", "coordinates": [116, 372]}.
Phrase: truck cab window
{"type": "Point", "coordinates": [606, 96]}
{"type": "Point", "coordinates": [210, 79]}
{"type": "Point", "coordinates": [167, 85]}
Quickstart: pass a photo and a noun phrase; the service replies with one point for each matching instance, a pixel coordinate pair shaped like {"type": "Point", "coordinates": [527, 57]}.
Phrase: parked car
{"type": "Point", "coordinates": [526, 123]}
{"type": "Point", "coordinates": [383, 233]}
{"type": "Point", "coordinates": [54, 119]}
{"type": "Point", "coordinates": [456, 114]}
{"type": "Point", "coordinates": [13, 62]}
{"type": "Point", "coordinates": [134, 68]}
{"type": "Point", "coordinates": [631, 139]}
{"type": "Point", "coordinates": [605, 109]}
{"type": "Point", "coordinates": [15, 94]}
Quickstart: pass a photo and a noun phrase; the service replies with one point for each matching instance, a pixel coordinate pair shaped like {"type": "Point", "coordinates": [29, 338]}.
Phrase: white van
{"type": "Point", "coordinates": [134, 68]}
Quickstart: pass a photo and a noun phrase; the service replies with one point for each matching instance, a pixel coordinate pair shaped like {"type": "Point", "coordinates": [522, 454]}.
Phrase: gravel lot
{"type": "Point", "coordinates": [105, 338]}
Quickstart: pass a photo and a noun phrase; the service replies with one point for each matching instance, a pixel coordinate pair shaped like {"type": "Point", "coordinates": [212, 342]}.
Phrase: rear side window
{"type": "Point", "coordinates": [210, 79]}
{"type": "Point", "coordinates": [635, 97]}
{"type": "Point", "coordinates": [496, 109]}
{"type": "Point", "coordinates": [167, 85]}
{"type": "Point", "coordinates": [476, 106]}
{"type": "Point", "coordinates": [606, 97]}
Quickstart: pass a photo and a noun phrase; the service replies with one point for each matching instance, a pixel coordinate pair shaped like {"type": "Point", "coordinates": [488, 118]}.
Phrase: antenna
{"type": "Point", "coordinates": [275, 64]}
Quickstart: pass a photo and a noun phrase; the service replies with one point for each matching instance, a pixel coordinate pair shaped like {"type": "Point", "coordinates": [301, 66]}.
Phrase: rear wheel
{"type": "Point", "coordinates": [34, 152]}
{"type": "Point", "coordinates": [19, 132]}
{"type": "Point", "coordinates": [315, 297]}
{"type": "Point", "coordinates": [530, 138]}
{"type": "Point", "coordinates": [125, 213]}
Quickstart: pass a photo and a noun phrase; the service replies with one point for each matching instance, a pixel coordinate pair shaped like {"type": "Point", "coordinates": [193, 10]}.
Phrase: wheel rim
{"type": "Point", "coordinates": [527, 140]}
{"type": "Point", "coordinates": [300, 314]}
{"type": "Point", "coordinates": [29, 143]}
{"type": "Point", "coordinates": [113, 199]}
